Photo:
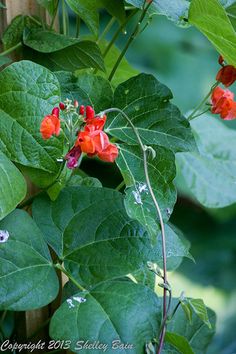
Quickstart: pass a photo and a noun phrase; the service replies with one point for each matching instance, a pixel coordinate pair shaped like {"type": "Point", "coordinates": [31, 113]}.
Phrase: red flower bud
{"type": "Point", "coordinates": [226, 75]}
{"type": "Point", "coordinates": [76, 104]}
{"type": "Point", "coordinates": [221, 60]}
{"type": "Point", "coordinates": [56, 111]}
{"type": "Point", "coordinates": [62, 106]}
{"type": "Point", "coordinates": [90, 112]}
{"type": "Point", "coordinates": [223, 103]}
{"type": "Point", "coordinates": [81, 110]}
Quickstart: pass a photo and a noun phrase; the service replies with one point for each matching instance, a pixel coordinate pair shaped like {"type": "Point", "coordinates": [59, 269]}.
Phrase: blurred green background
{"type": "Point", "coordinates": [186, 62]}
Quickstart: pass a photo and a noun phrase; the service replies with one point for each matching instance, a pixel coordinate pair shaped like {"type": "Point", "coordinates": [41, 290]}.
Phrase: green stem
{"type": "Point", "coordinates": [77, 26]}
{"type": "Point", "coordinates": [192, 115]}
{"type": "Point", "coordinates": [119, 30]}
{"type": "Point", "coordinates": [144, 149]}
{"type": "Point", "coordinates": [72, 279]}
{"type": "Point", "coordinates": [18, 45]}
{"type": "Point", "coordinates": [54, 15]}
{"type": "Point", "coordinates": [106, 29]}
{"type": "Point", "coordinates": [201, 113]}
{"type": "Point", "coordinates": [3, 317]}
{"type": "Point", "coordinates": [130, 40]}
{"type": "Point", "coordinates": [64, 18]}
{"type": "Point", "coordinates": [120, 186]}
{"type": "Point", "coordinates": [34, 20]}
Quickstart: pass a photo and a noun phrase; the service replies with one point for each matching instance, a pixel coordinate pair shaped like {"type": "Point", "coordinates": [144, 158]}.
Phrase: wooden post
{"type": "Point", "coordinates": [29, 322]}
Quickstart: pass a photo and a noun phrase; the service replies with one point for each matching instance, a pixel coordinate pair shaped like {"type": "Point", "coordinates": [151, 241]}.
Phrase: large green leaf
{"type": "Point", "coordinates": [82, 55]}
{"type": "Point", "coordinates": [231, 12]}
{"type": "Point", "coordinates": [175, 10]}
{"type": "Point", "coordinates": [210, 174]}
{"type": "Point", "coordinates": [146, 101]}
{"type": "Point", "coordinates": [27, 93]}
{"type": "Point", "coordinates": [138, 202]}
{"type": "Point", "coordinates": [88, 89]}
{"type": "Point", "coordinates": [113, 311]}
{"type": "Point", "coordinates": [198, 334]}
{"type": "Point", "coordinates": [90, 230]}
{"type": "Point", "coordinates": [27, 277]}
{"type": "Point", "coordinates": [88, 11]}
{"type": "Point", "coordinates": [211, 19]}
{"type": "Point", "coordinates": [13, 186]}
{"type": "Point", "coordinates": [4, 60]}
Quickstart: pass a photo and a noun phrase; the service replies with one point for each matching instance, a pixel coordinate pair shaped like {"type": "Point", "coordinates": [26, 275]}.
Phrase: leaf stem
{"type": "Point", "coordinates": [144, 149]}
{"type": "Point", "coordinates": [77, 26]}
{"type": "Point", "coordinates": [193, 114]}
{"type": "Point", "coordinates": [72, 279]}
{"type": "Point", "coordinates": [64, 18]}
{"type": "Point", "coordinates": [106, 29]}
{"type": "Point", "coordinates": [18, 45]}
{"type": "Point", "coordinates": [130, 40]}
{"type": "Point", "coordinates": [54, 15]}
{"type": "Point", "coordinates": [119, 30]}
{"type": "Point", "coordinates": [120, 186]}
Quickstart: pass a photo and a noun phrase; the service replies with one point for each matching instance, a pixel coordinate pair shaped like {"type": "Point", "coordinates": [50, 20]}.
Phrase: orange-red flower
{"type": "Point", "coordinates": [226, 75]}
{"type": "Point", "coordinates": [50, 126]}
{"type": "Point", "coordinates": [109, 154]}
{"type": "Point", "coordinates": [223, 103]}
{"type": "Point", "coordinates": [92, 142]}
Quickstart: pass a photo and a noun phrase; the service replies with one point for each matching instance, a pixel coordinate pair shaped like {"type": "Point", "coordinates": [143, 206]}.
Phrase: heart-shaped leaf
{"type": "Point", "coordinates": [146, 102]}
{"type": "Point", "coordinates": [28, 279]}
{"type": "Point", "coordinates": [91, 232]}
{"type": "Point", "coordinates": [114, 313]}
{"type": "Point", "coordinates": [27, 93]}
{"type": "Point", "coordinates": [13, 186]}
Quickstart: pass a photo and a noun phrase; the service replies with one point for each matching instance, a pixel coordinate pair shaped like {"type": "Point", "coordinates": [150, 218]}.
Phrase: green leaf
{"type": "Point", "coordinates": [49, 5]}
{"type": "Point", "coordinates": [211, 19]}
{"type": "Point", "coordinates": [124, 72]}
{"type": "Point", "coordinates": [175, 10]}
{"type": "Point", "coordinates": [47, 41]}
{"type": "Point", "coordinates": [4, 60]}
{"type": "Point", "coordinates": [179, 342]}
{"type": "Point", "coordinates": [82, 55]}
{"type": "Point", "coordinates": [13, 186]}
{"type": "Point", "coordinates": [28, 92]}
{"type": "Point", "coordinates": [113, 311]}
{"type": "Point", "coordinates": [231, 12]}
{"type": "Point", "coordinates": [210, 174]}
{"type": "Point", "coordinates": [90, 230]}
{"type": "Point", "coordinates": [138, 202]}
{"type": "Point", "coordinates": [28, 279]}
{"type": "Point", "coordinates": [14, 32]}
{"type": "Point", "coordinates": [88, 89]}
{"type": "Point", "coordinates": [146, 102]}
{"type": "Point", "coordinates": [88, 11]}
{"type": "Point", "coordinates": [198, 334]}
{"type": "Point", "coordinates": [200, 310]}
{"type": "Point", "coordinates": [186, 307]}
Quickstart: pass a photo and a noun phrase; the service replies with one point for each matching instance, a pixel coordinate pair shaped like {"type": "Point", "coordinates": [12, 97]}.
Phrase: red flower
{"type": "Point", "coordinates": [50, 126]}
{"type": "Point", "coordinates": [109, 154]}
{"type": "Point", "coordinates": [93, 142]}
{"type": "Point", "coordinates": [90, 112]}
{"type": "Point", "coordinates": [73, 156]}
{"type": "Point", "coordinates": [226, 75]}
{"type": "Point", "coordinates": [223, 103]}
{"type": "Point", "coordinates": [95, 123]}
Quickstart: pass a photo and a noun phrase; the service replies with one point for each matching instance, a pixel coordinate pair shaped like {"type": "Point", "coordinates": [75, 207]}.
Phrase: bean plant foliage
{"type": "Point", "coordinates": [67, 98]}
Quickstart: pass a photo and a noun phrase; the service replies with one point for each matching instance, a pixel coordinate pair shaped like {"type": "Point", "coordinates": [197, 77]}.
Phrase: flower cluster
{"type": "Point", "coordinates": [223, 100]}
{"type": "Point", "coordinates": [89, 135]}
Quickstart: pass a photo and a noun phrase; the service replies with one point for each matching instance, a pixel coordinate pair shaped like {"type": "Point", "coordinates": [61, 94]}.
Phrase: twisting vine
{"type": "Point", "coordinates": [145, 149]}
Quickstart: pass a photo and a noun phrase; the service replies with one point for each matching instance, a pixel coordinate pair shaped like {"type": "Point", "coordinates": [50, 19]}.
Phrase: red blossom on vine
{"type": "Point", "coordinates": [50, 124]}
{"type": "Point", "coordinates": [226, 75]}
{"type": "Point", "coordinates": [223, 103]}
